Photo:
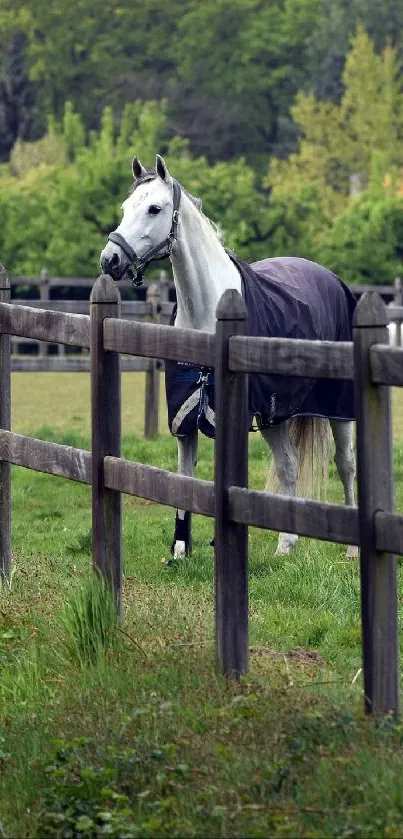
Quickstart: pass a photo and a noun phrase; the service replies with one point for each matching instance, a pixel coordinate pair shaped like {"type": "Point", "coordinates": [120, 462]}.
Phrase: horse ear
{"type": "Point", "coordinates": [138, 169]}
{"type": "Point", "coordinates": [162, 170]}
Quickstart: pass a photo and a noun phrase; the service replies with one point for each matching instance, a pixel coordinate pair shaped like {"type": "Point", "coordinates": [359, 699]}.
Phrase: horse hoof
{"type": "Point", "coordinates": [179, 550]}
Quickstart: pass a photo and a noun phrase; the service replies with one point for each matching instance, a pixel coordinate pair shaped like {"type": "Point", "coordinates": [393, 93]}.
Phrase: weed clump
{"type": "Point", "coordinates": [90, 624]}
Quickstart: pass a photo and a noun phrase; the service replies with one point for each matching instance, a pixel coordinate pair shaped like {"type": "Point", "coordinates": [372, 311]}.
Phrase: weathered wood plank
{"type": "Point", "coordinates": [389, 532]}
{"type": "Point", "coordinates": [318, 520]}
{"type": "Point", "coordinates": [383, 290]}
{"type": "Point", "coordinates": [292, 357]}
{"type": "Point", "coordinates": [130, 308]}
{"type": "Point", "coordinates": [44, 295]}
{"type": "Point", "coordinates": [159, 485]}
{"type": "Point", "coordinates": [388, 291]}
{"type": "Point", "coordinates": [231, 469]}
{"type": "Point", "coordinates": [54, 327]}
{"type": "Point", "coordinates": [166, 310]}
{"type": "Point", "coordinates": [105, 428]}
{"type": "Point", "coordinates": [5, 418]}
{"type": "Point", "coordinates": [65, 282]}
{"type": "Point", "coordinates": [375, 492]}
{"type": "Point", "coordinates": [386, 365]}
{"type": "Point", "coordinates": [73, 364]}
{"type": "Point", "coordinates": [21, 339]}
{"type": "Point", "coordinates": [157, 341]}
{"type": "Point", "coordinates": [62, 282]}
{"type": "Point", "coordinates": [41, 456]}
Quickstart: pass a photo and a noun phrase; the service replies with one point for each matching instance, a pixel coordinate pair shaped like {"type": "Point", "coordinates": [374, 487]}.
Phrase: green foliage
{"type": "Point", "coordinates": [82, 800]}
{"type": "Point", "coordinates": [57, 212]}
{"type": "Point", "coordinates": [365, 243]}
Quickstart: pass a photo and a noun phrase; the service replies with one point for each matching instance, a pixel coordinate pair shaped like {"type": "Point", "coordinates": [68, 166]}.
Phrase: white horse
{"type": "Point", "coordinates": [161, 219]}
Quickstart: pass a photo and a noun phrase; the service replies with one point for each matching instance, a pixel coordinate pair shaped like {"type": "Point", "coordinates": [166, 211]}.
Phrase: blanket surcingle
{"type": "Point", "coordinates": [285, 297]}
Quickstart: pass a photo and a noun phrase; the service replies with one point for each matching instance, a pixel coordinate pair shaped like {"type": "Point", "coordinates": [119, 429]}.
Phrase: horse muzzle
{"type": "Point", "coordinates": [114, 261]}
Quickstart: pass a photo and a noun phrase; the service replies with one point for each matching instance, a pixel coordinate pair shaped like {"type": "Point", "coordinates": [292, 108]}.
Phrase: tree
{"type": "Point", "coordinates": [381, 19]}
{"type": "Point", "coordinates": [365, 243]}
{"type": "Point", "coordinates": [338, 141]}
{"type": "Point", "coordinates": [19, 115]}
{"type": "Point", "coordinates": [249, 58]}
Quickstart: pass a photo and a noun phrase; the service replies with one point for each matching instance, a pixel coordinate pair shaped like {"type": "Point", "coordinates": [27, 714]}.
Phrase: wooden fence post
{"type": "Point", "coordinates": [5, 421]}
{"type": "Point", "coordinates": [375, 492]}
{"type": "Point", "coordinates": [152, 394]}
{"type": "Point", "coordinates": [398, 301]}
{"type": "Point", "coordinates": [164, 286]}
{"type": "Point", "coordinates": [106, 419]}
{"type": "Point", "coordinates": [43, 349]}
{"type": "Point", "coordinates": [231, 469]}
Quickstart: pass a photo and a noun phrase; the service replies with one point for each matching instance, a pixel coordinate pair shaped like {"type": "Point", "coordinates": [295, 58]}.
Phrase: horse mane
{"type": "Point", "coordinates": [151, 175]}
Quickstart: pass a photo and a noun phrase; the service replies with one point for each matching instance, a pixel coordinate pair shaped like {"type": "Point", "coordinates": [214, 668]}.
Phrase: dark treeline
{"type": "Point", "coordinates": [228, 69]}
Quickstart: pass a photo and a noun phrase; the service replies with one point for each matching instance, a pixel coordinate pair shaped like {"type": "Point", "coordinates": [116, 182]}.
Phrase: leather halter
{"type": "Point", "coordinates": [139, 265]}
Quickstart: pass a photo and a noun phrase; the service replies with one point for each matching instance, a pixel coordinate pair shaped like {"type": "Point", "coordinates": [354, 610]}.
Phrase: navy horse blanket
{"type": "Point", "coordinates": [285, 297]}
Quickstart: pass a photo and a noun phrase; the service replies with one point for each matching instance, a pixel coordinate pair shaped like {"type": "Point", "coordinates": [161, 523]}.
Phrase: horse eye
{"type": "Point", "coordinates": [154, 209]}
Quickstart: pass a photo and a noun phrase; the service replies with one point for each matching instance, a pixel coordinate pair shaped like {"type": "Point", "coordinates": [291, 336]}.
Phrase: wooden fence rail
{"type": "Point", "coordinates": [373, 525]}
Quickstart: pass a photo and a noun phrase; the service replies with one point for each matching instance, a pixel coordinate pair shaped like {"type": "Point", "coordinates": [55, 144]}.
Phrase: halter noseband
{"type": "Point", "coordinates": [140, 264]}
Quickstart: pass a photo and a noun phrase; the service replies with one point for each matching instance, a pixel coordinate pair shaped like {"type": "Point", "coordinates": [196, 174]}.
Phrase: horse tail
{"type": "Point", "coordinates": [311, 437]}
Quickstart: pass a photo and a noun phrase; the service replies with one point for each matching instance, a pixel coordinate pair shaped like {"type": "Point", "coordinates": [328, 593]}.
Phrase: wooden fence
{"type": "Point", "coordinates": [374, 526]}
{"type": "Point", "coordinates": [156, 308]}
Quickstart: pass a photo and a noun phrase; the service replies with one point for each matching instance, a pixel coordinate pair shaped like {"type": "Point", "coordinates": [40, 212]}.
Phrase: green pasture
{"type": "Point", "coordinates": [144, 739]}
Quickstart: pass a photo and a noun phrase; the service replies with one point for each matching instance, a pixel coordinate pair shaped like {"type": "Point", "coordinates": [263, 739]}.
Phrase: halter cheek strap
{"type": "Point", "coordinates": [140, 264]}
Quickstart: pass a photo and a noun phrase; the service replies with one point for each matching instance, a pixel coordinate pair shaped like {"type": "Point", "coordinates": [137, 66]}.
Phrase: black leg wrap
{"type": "Point", "coordinates": [183, 533]}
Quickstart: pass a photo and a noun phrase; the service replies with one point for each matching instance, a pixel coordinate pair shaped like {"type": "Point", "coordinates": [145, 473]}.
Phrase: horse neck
{"type": "Point", "coordinates": [202, 270]}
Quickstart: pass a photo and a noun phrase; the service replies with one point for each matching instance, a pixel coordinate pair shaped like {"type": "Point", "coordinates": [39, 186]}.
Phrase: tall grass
{"type": "Point", "coordinates": [90, 623]}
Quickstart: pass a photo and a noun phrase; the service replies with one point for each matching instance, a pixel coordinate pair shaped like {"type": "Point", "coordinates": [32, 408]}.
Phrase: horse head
{"type": "Point", "coordinates": [149, 224]}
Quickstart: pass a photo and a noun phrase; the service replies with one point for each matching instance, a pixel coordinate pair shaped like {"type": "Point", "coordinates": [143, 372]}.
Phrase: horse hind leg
{"type": "Point", "coordinates": [345, 464]}
{"type": "Point", "coordinates": [286, 457]}
{"type": "Point", "coordinates": [187, 453]}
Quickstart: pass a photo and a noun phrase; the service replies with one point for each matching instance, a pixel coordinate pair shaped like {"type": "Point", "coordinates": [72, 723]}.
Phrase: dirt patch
{"type": "Point", "coordinates": [297, 654]}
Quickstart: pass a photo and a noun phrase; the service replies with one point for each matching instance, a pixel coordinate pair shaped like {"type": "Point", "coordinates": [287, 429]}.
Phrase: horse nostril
{"type": "Point", "coordinates": [114, 261]}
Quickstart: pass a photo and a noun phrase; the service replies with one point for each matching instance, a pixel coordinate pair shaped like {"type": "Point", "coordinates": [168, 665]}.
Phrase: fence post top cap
{"type": "Point", "coordinates": [371, 310]}
{"type": "Point", "coordinates": [231, 306]}
{"type": "Point", "coordinates": [105, 290]}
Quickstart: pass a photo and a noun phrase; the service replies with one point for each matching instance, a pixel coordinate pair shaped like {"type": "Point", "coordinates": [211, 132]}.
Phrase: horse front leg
{"type": "Point", "coordinates": [285, 456]}
{"type": "Point", "coordinates": [187, 454]}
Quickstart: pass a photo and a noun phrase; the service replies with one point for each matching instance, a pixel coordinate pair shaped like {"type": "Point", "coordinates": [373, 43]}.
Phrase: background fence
{"type": "Point", "coordinates": [374, 526]}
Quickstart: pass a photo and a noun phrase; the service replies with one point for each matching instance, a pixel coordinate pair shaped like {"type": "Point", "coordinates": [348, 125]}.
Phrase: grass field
{"type": "Point", "coordinates": [146, 739]}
